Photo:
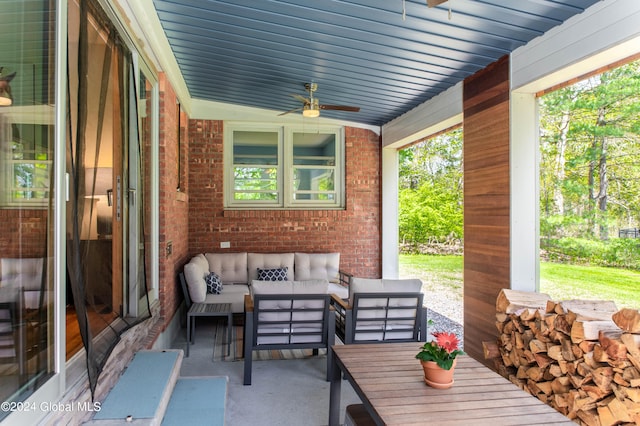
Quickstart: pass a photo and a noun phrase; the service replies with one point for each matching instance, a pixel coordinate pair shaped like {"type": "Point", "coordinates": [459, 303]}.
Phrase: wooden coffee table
{"type": "Point", "coordinates": [209, 310]}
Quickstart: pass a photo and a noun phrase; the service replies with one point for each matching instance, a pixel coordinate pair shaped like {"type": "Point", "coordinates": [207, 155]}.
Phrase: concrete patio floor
{"type": "Point", "coordinates": [283, 392]}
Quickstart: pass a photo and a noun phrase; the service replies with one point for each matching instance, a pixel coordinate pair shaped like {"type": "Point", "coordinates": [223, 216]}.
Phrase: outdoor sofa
{"type": "Point", "coordinates": [237, 270]}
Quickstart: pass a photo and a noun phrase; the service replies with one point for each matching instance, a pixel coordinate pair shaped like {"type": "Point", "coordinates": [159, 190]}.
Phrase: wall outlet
{"type": "Point", "coordinates": [225, 244]}
{"type": "Point", "coordinates": [169, 248]}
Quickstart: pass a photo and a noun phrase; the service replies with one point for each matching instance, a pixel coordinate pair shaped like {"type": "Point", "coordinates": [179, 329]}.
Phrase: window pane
{"type": "Point", "coordinates": [254, 156]}
{"type": "Point", "coordinates": [314, 160]}
{"type": "Point", "coordinates": [250, 148]}
{"type": "Point", "coordinates": [26, 138]}
{"type": "Point", "coordinates": [314, 179]}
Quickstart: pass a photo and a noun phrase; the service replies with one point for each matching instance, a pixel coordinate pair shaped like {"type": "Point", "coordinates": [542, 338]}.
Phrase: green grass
{"type": "Point", "coordinates": [560, 281]}
{"type": "Point", "coordinates": [438, 273]}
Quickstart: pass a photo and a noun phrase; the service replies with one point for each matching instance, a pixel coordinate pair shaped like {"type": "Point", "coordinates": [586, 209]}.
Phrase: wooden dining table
{"type": "Point", "coordinates": [389, 380]}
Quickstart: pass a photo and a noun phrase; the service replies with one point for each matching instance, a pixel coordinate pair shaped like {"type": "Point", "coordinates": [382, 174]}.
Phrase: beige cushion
{"type": "Point", "coordinates": [271, 287]}
{"type": "Point", "coordinates": [324, 266]}
{"type": "Point", "coordinates": [398, 329]}
{"type": "Point", "coordinates": [230, 267]}
{"type": "Point", "coordinates": [369, 285]}
{"type": "Point", "coordinates": [339, 290]}
{"type": "Point", "coordinates": [269, 261]}
{"type": "Point", "coordinates": [194, 273]}
{"type": "Point", "coordinates": [288, 288]}
{"type": "Point", "coordinates": [231, 293]}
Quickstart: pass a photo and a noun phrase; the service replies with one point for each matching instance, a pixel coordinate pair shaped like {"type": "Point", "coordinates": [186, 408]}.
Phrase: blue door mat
{"type": "Point", "coordinates": [198, 400]}
{"type": "Point", "coordinates": [140, 390]}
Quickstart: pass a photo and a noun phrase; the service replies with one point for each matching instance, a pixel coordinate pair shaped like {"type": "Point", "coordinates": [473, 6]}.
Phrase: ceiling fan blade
{"type": "Point", "coordinates": [434, 3]}
{"type": "Point", "coordinates": [302, 99]}
{"type": "Point", "coordinates": [340, 108]}
{"type": "Point", "coordinates": [291, 110]}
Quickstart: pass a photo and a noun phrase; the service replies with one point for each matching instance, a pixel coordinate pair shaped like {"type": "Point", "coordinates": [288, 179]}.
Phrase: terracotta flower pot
{"type": "Point", "coordinates": [437, 377]}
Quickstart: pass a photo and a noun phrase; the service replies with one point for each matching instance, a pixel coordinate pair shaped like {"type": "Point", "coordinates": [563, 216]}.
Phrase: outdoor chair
{"type": "Point", "coordinates": [288, 315]}
{"type": "Point", "coordinates": [381, 310]}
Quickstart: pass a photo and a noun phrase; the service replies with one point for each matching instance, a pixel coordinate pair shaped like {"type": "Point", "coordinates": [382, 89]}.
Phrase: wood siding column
{"type": "Point", "coordinates": [486, 201]}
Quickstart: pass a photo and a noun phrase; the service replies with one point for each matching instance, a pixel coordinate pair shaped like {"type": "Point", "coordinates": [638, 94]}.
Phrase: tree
{"type": "Point", "coordinates": [590, 141]}
{"type": "Point", "coordinates": [431, 189]}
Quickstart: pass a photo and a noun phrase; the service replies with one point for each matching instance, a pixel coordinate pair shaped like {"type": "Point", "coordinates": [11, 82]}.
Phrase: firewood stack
{"type": "Point", "coordinates": [581, 357]}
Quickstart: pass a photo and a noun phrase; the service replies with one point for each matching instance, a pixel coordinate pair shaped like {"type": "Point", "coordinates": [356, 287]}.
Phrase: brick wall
{"type": "Point", "coordinates": [24, 233]}
{"type": "Point", "coordinates": [354, 232]}
{"type": "Point", "coordinates": [173, 202]}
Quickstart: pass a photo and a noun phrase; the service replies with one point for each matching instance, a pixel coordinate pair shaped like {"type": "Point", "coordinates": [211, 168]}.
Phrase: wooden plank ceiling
{"type": "Point", "coordinates": [384, 56]}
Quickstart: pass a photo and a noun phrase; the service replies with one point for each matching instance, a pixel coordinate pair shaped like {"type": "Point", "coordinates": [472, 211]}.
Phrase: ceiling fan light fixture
{"type": "Point", "coordinates": [311, 110]}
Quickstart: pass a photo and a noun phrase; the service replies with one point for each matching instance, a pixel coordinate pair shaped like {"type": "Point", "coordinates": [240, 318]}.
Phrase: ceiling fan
{"type": "Point", "coordinates": [311, 106]}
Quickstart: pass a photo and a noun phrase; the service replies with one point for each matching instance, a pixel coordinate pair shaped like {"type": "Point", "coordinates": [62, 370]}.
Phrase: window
{"type": "Point", "coordinates": [283, 167]}
{"type": "Point", "coordinates": [29, 168]}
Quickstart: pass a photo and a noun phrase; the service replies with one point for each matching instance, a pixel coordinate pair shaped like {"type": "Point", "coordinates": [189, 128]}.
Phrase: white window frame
{"type": "Point", "coordinates": [285, 168]}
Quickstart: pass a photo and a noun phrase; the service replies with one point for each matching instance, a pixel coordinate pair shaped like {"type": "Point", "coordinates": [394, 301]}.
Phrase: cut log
{"type": "Point", "coordinates": [589, 363]}
{"type": "Point", "coordinates": [561, 385]}
{"type": "Point", "coordinates": [603, 377]}
{"type": "Point", "coordinates": [567, 350]}
{"type": "Point", "coordinates": [555, 370]}
{"type": "Point", "coordinates": [578, 381]}
{"type": "Point", "coordinates": [628, 320]}
{"type": "Point", "coordinates": [590, 309]}
{"type": "Point", "coordinates": [490, 350]}
{"type": "Point", "coordinates": [611, 342]}
{"type": "Point", "coordinates": [633, 394]}
{"type": "Point", "coordinates": [596, 392]}
{"type": "Point", "coordinates": [632, 374]}
{"type": "Point", "coordinates": [599, 354]}
{"type": "Point", "coordinates": [632, 342]}
{"type": "Point", "coordinates": [544, 361]}
{"type": "Point", "coordinates": [536, 346]}
{"type": "Point", "coordinates": [587, 345]}
{"type": "Point", "coordinates": [535, 373]}
{"type": "Point", "coordinates": [618, 411]}
{"type": "Point", "coordinates": [589, 417]}
{"type": "Point", "coordinates": [605, 417]}
{"type": "Point", "coordinates": [511, 301]}
{"type": "Point", "coordinates": [589, 330]}
{"type": "Point", "coordinates": [562, 325]}
{"type": "Point", "coordinates": [555, 352]}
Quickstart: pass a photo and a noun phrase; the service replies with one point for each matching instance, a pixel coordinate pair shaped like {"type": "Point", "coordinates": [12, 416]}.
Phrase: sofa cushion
{"type": "Point", "coordinates": [269, 260]}
{"type": "Point", "coordinates": [195, 273]}
{"type": "Point", "coordinates": [232, 293]}
{"type": "Point", "coordinates": [214, 285]}
{"type": "Point", "coordinates": [324, 266]}
{"type": "Point", "coordinates": [230, 267]}
{"type": "Point", "coordinates": [369, 285]}
{"type": "Point", "coordinates": [289, 288]}
{"type": "Point", "coordinates": [273, 274]}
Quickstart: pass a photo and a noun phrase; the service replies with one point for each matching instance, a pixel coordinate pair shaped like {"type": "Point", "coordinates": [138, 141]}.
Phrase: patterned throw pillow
{"type": "Point", "coordinates": [214, 284]}
{"type": "Point", "coordinates": [275, 274]}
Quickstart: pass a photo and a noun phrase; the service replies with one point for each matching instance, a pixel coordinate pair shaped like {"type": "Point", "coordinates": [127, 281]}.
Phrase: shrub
{"type": "Point", "coordinates": [616, 252]}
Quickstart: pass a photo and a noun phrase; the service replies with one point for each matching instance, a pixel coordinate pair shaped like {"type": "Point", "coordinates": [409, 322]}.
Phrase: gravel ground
{"type": "Point", "coordinates": [442, 323]}
{"type": "Point", "coordinates": [443, 301]}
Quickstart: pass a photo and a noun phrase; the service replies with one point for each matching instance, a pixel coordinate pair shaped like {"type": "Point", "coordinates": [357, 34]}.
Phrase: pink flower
{"type": "Point", "coordinates": [448, 341]}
